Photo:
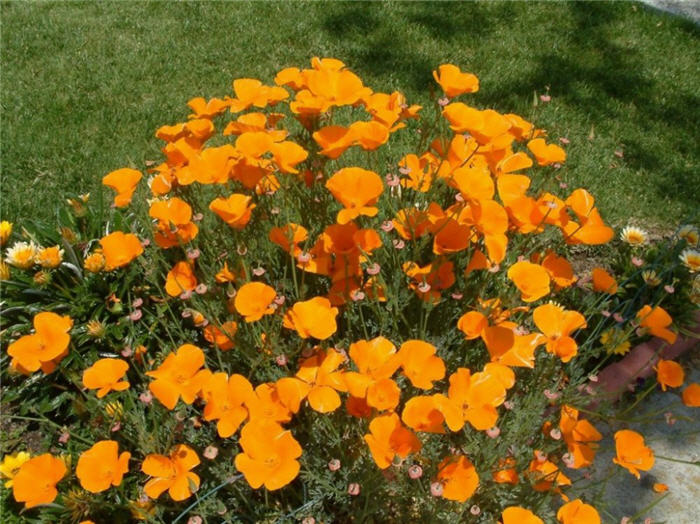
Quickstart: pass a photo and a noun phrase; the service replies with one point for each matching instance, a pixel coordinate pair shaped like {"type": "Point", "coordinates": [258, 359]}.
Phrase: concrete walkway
{"type": "Point", "coordinates": [686, 8]}
{"type": "Point", "coordinates": [623, 494]}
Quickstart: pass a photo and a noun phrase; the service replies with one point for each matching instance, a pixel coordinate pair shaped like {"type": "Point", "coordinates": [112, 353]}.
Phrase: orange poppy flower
{"type": "Point", "coordinates": [518, 515]}
{"type": "Point", "coordinates": [119, 249]}
{"type": "Point", "coordinates": [458, 477]}
{"type": "Point", "coordinates": [422, 413]}
{"type": "Point", "coordinates": [512, 163]}
{"type": "Point", "coordinates": [225, 275]}
{"type": "Point", "coordinates": [546, 154]}
{"type": "Point", "coordinates": [420, 363]}
{"type": "Point", "coordinates": [473, 183]}
{"type": "Point", "coordinates": [251, 92]}
{"type": "Point", "coordinates": [603, 282]}
{"type": "Point", "coordinates": [174, 226]}
{"type": "Point", "coordinates": [337, 87]}
{"type": "Point", "coordinates": [484, 126]}
{"type": "Point", "coordinates": [557, 324]}
{"type": "Point", "coordinates": [531, 279]}
{"type": "Point", "coordinates": [312, 318]}
{"type": "Point", "coordinates": [253, 300]}
{"type": "Point", "coordinates": [369, 135]}
{"type": "Point", "coordinates": [256, 122]}
{"type": "Point", "coordinates": [234, 210]}
{"type": "Point", "coordinates": [657, 320]}
{"type": "Point", "coordinates": [546, 474]}
{"type": "Point", "coordinates": [358, 190]}
{"type": "Point", "coordinates": [35, 482]}
{"type": "Point", "coordinates": [225, 399]}
{"type": "Point", "coordinates": [580, 437]}
{"type": "Point", "coordinates": [420, 172]}
{"type": "Point", "coordinates": [180, 279]}
{"type": "Point", "coordinates": [691, 395]}
{"type": "Point", "coordinates": [376, 360]}
{"type": "Point", "coordinates": [102, 466]}
{"type": "Point", "coordinates": [411, 223]}
{"type": "Point", "coordinates": [266, 403]}
{"type": "Point", "coordinates": [658, 487]}
{"type": "Point", "coordinates": [388, 438]}
{"type": "Point", "coordinates": [559, 269]}
{"type": "Point", "coordinates": [472, 324]}
{"type": "Point", "coordinates": [577, 512]}
{"type": "Point", "coordinates": [48, 343]}
{"type": "Point", "coordinates": [179, 376]}
{"type": "Point", "coordinates": [669, 374]}
{"type": "Point", "coordinates": [438, 275]}
{"type": "Point", "coordinates": [207, 108]}
{"type": "Point", "coordinates": [289, 237]}
{"type": "Point", "coordinates": [106, 375]}
{"type": "Point", "coordinates": [124, 182]}
{"type": "Point", "coordinates": [323, 380]}
{"type": "Point", "coordinates": [269, 455]}
{"type": "Point", "coordinates": [591, 229]}
{"type": "Point", "coordinates": [221, 337]}
{"type": "Point", "coordinates": [450, 237]}
{"type": "Point", "coordinates": [632, 454]}
{"type": "Point", "coordinates": [506, 474]}
{"type": "Point", "coordinates": [172, 472]}
{"type": "Point", "coordinates": [454, 82]}
{"type": "Point", "coordinates": [334, 140]}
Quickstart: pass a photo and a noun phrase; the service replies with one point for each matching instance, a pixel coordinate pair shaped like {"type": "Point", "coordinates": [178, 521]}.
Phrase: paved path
{"type": "Point", "coordinates": [686, 8]}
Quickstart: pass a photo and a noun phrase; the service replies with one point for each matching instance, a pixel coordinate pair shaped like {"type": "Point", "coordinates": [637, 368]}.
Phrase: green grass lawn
{"type": "Point", "coordinates": [85, 85]}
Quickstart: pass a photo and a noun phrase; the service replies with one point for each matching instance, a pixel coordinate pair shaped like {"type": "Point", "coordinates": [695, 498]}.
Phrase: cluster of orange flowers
{"type": "Point", "coordinates": [481, 166]}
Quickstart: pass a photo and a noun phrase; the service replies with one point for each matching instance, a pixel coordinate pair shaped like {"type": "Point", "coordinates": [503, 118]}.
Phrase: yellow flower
{"type": "Point", "coordinates": [11, 464]}
{"type": "Point", "coordinates": [50, 257]}
{"type": "Point", "coordinates": [4, 271]}
{"type": "Point", "coordinates": [22, 254]}
{"type": "Point", "coordinates": [634, 236]}
{"type": "Point", "coordinates": [5, 231]}
{"type": "Point", "coordinates": [689, 234]}
{"type": "Point", "coordinates": [614, 341]}
{"type": "Point", "coordinates": [41, 278]}
{"type": "Point", "coordinates": [95, 328]}
{"type": "Point", "coordinates": [651, 278]}
{"type": "Point", "coordinates": [94, 262]}
{"type": "Point", "coordinates": [114, 409]}
{"type": "Point", "coordinates": [691, 258]}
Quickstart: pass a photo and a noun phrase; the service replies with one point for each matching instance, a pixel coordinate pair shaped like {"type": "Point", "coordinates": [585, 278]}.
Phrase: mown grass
{"type": "Point", "coordinates": [85, 85]}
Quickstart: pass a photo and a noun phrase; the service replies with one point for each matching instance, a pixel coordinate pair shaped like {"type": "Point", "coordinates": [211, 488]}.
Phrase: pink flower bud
{"type": "Point", "coordinates": [116, 427]}
{"type": "Point", "coordinates": [387, 226]}
{"type": "Point", "coordinates": [197, 217]}
{"type": "Point", "coordinates": [127, 352]}
{"type": "Point", "coordinates": [493, 432]}
{"type": "Point", "coordinates": [356, 295]}
{"type": "Point", "coordinates": [457, 296]}
{"type": "Point", "coordinates": [201, 289]}
{"type": "Point", "coordinates": [555, 434]}
{"type": "Point", "coordinates": [281, 360]}
{"type": "Point", "coordinates": [146, 397]}
{"type": "Point", "coordinates": [550, 395]}
{"type": "Point", "coordinates": [436, 489]}
{"type": "Point", "coordinates": [193, 254]}
{"type": "Point", "coordinates": [392, 180]}
{"type": "Point", "coordinates": [303, 257]}
{"type": "Point", "coordinates": [564, 140]}
{"type": "Point", "coordinates": [145, 242]}
{"type": "Point", "coordinates": [334, 465]}
{"type": "Point", "coordinates": [195, 520]}
{"type": "Point", "coordinates": [138, 302]}
{"type": "Point", "coordinates": [442, 102]}
{"type": "Point", "coordinates": [65, 436]}
{"type": "Point", "coordinates": [398, 243]}
{"type": "Point", "coordinates": [280, 299]}
{"type": "Point", "coordinates": [259, 271]}
{"type": "Point", "coordinates": [475, 510]}
{"type": "Point", "coordinates": [545, 98]}
{"type": "Point", "coordinates": [210, 452]}
{"type": "Point", "coordinates": [241, 250]}
{"type": "Point", "coordinates": [423, 287]}
{"type": "Point", "coordinates": [415, 472]}
{"type": "Point", "coordinates": [636, 261]}
{"type": "Point", "coordinates": [354, 489]}
{"type": "Point", "coordinates": [373, 269]}
{"type": "Point", "coordinates": [186, 295]}
{"type": "Point", "coordinates": [618, 317]}
{"type": "Point", "coordinates": [135, 315]}
{"type": "Point", "coordinates": [669, 289]}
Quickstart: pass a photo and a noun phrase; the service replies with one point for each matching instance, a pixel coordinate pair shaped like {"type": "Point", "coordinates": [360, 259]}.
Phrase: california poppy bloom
{"type": "Point", "coordinates": [669, 374]}
{"type": "Point", "coordinates": [632, 454]}
{"type": "Point", "coordinates": [557, 324]}
{"type": "Point", "coordinates": [253, 300]}
{"type": "Point", "coordinates": [102, 466]}
{"type": "Point", "coordinates": [546, 474]}
{"type": "Point", "coordinates": [388, 438]}
{"type": "Point", "coordinates": [590, 228]}
{"type": "Point", "coordinates": [174, 226]}
{"type": "Point", "coordinates": [657, 320]}
{"type": "Point", "coordinates": [358, 190]}
{"type": "Point", "coordinates": [251, 92]}
{"type": "Point", "coordinates": [322, 380]}
{"type": "Point", "coordinates": [180, 278]}
{"type": "Point", "coordinates": [234, 210]}
{"type": "Point", "coordinates": [124, 182]}
{"type": "Point", "coordinates": [580, 437]}
{"type": "Point", "coordinates": [422, 413]}
{"type": "Point", "coordinates": [546, 154]}
{"type": "Point", "coordinates": [420, 363]}
{"type": "Point", "coordinates": [312, 318]}
{"type": "Point", "coordinates": [289, 237]}
{"type": "Point", "coordinates": [531, 279]}
{"type": "Point", "coordinates": [172, 473]}
{"type": "Point", "coordinates": [559, 269]}
{"type": "Point", "coordinates": [454, 82]}
{"type": "Point", "coordinates": [225, 401]}
{"type": "Point", "coordinates": [49, 342]}
{"type": "Point", "coordinates": [267, 403]}
{"type": "Point", "coordinates": [518, 515]}
{"type": "Point", "coordinates": [35, 482]}
{"type": "Point", "coordinates": [603, 282]}
{"type": "Point", "coordinates": [207, 108]}
{"type": "Point", "coordinates": [458, 477]}
{"type": "Point", "coordinates": [691, 395]}
{"type": "Point", "coordinates": [578, 512]}
{"type": "Point", "coordinates": [106, 375]}
{"type": "Point", "coordinates": [376, 360]}
{"type": "Point", "coordinates": [179, 376]}
{"type": "Point", "coordinates": [269, 455]}
{"type": "Point", "coordinates": [119, 249]}
{"type": "Point", "coordinates": [221, 337]}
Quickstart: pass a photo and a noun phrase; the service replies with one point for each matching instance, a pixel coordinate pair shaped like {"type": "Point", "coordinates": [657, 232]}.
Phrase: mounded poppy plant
{"type": "Point", "coordinates": [172, 473]}
{"type": "Point", "coordinates": [102, 466]}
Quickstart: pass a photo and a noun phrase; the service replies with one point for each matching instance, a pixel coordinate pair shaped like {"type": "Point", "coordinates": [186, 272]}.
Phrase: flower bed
{"type": "Point", "coordinates": [339, 307]}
